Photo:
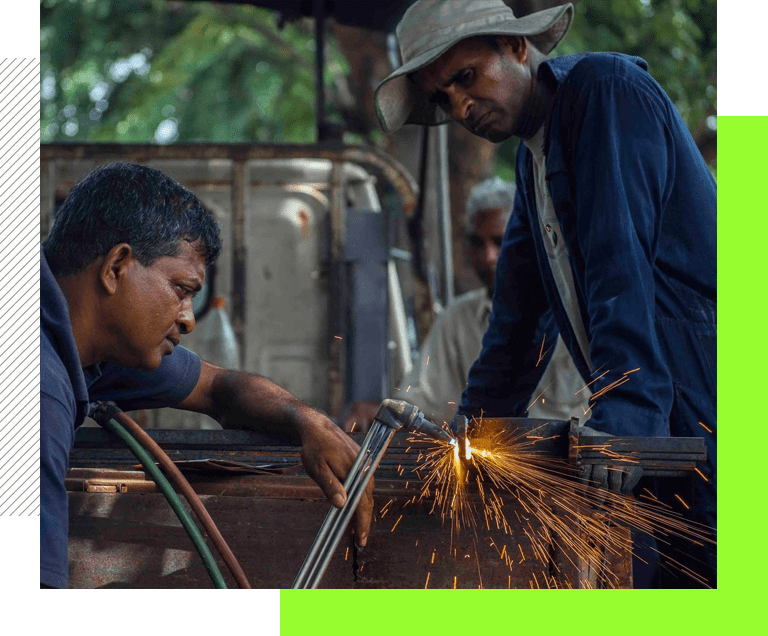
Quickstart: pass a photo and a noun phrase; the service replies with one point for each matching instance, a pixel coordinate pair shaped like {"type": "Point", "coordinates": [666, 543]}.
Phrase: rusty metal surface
{"type": "Point", "coordinates": [270, 522]}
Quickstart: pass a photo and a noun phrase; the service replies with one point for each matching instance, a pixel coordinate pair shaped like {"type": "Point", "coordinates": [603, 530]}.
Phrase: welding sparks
{"type": "Point", "coordinates": [591, 383]}
{"type": "Point", "coordinates": [680, 499]}
{"type": "Point", "coordinates": [541, 351]}
{"type": "Point", "coordinates": [586, 524]}
{"type": "Point", "coordinates": [536, 399]}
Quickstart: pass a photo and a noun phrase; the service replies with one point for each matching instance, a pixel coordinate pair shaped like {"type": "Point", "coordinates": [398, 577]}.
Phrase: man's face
{"type": "Point", "coordinates": [484, 240]}
{"type": "Point", "coordinates": [485, 90]}
{"type": "Point", "coordinates": [153, 307]}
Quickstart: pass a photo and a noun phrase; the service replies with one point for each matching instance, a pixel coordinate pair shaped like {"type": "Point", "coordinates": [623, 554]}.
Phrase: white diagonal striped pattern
{"type": "Point", "coordinates": [19, 286]}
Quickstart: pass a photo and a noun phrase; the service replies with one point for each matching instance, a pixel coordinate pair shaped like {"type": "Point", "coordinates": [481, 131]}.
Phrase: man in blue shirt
{"type": "Point", "coordinates": [612, 241]}
{"type": "Point", "coordinates": [119, 269]}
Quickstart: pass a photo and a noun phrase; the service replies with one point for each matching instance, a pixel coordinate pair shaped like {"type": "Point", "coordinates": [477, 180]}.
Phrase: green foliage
{"type": "Point", "coordinates": [156, 71]}
{"type": "Point", "coordinates": [159, 71]}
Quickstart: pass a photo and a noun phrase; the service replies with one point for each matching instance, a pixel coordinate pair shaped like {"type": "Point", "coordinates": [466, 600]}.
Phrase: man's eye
{"type": "Point", "coordinates": [464, 77]}
{"type": "Point", "coordinates": [475, 242]}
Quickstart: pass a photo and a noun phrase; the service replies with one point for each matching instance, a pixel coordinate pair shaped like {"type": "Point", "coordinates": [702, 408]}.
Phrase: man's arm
{"type": "Point", "coordinates": [239, 400]}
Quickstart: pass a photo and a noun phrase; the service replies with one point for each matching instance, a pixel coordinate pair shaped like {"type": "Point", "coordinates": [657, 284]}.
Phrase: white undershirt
{"type": "Point", "coordinates": [557, 252]}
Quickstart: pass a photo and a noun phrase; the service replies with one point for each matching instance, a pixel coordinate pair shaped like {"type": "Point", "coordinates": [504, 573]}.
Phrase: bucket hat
{"type": "Point", "coordinates": [430, 27]}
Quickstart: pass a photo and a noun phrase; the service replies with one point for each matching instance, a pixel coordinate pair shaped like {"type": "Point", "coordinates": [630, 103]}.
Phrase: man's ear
{"type": "Point", "coordinates": [114, 266]}
{"type": "Point", "coordinates": [517, 45]}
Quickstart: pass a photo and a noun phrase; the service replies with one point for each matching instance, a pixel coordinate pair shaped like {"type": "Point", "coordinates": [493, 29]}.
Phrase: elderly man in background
{"type": "Point", "coordinates": [436, 381]}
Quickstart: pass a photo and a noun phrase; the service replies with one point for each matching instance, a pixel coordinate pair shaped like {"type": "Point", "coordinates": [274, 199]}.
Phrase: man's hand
{"type": "Point", "coordinates": [619, 477]}
{"type": "Point", "coordinates": [327, 454]}
{"type": "Point", "coordinates": [239, 400]}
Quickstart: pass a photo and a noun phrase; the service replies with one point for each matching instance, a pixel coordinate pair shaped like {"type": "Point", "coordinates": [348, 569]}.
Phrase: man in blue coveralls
{"type": "Point", "coordinates": [124, 259]}
{"type": "Point", "coordinates": [612, 240]}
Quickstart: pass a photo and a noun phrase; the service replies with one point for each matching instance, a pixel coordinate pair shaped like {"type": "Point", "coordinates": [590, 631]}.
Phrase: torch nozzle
{"type": "Point", "coordinates": [398, 414]}
{"type": "Point", "coordinates": [423, 425]}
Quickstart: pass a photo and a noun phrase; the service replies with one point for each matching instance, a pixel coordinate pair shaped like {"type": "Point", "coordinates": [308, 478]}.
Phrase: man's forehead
{"type": "Point", "coordinates": [491, 219]}
{"type": "Point", "coordinates": [189, 260]}
{"type": "Point", "coordinates": [439, 72]}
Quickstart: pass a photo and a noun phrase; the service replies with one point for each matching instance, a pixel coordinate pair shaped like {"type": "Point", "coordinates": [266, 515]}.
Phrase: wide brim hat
{"type": "Point", "coordinates": [430, 27]}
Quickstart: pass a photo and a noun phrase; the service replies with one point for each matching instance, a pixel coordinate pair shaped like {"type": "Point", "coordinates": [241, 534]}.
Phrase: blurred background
{"type": "Point", "coordinates": [342, 243]}
{"type": "Point", "coordinates": [165, 72]}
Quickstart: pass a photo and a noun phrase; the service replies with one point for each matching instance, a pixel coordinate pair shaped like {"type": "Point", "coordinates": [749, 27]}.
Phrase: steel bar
{"type": "Point", "coordinates": [643, 444]}
{"type": "Point", "coordinates": [657, 456]}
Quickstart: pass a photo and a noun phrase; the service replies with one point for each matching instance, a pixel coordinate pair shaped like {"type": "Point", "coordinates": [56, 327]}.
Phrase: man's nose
{"type": "Point", "coordinates": [491, 254]}
{"type": "Point", "coordinates": [461, 106]}
{"type": "Point", "coordinates": [186, 318]}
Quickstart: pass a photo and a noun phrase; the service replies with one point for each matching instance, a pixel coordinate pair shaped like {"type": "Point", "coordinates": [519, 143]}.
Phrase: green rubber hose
{"type": "Point", "coordinates": [170, 494]}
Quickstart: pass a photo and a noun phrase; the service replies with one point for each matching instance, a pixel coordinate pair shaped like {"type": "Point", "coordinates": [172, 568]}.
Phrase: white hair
{"type": "Point", "coordinates": [489, 194]}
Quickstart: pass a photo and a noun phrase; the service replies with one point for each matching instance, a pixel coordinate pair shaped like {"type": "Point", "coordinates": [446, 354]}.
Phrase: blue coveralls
{"type": "Point", "coordinates": [637, 207]}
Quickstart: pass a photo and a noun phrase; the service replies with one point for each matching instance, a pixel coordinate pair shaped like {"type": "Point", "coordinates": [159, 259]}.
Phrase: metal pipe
{"type": "Point", "coordinates": [376, 158]}
{"type": "Point", "coordinates": [338, 518]}
{"type": "Point", "coordinates": [338, 298]}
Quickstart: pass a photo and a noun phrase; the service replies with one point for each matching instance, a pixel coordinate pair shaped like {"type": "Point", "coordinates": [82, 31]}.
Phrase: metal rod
{"type": "Point", "coordinates": [391, 416]}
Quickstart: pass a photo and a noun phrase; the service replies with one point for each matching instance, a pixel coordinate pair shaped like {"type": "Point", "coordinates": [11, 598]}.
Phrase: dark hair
{"type": "Point", "coordinates": [128, 203]}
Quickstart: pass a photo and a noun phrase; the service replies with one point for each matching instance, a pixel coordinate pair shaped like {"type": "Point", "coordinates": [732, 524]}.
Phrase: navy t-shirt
{"type": "Point", "coordinates": [65, 391]}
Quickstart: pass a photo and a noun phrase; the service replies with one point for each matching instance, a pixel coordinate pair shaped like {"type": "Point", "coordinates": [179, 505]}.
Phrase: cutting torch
{"type": "Point", "coordinates": [391, 416]}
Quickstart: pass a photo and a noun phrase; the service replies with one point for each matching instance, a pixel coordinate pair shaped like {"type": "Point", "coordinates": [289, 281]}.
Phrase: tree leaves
{"type": "Point", "coordinates": [154, 71]}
